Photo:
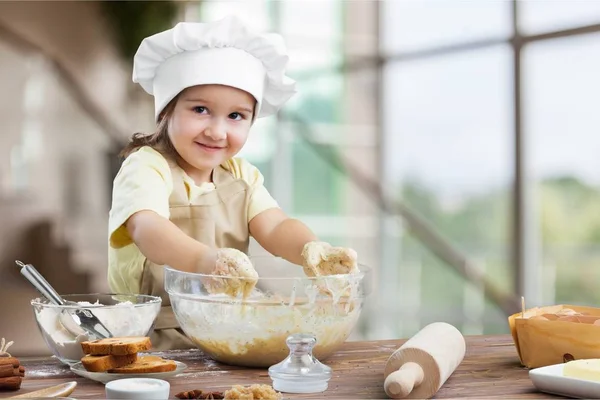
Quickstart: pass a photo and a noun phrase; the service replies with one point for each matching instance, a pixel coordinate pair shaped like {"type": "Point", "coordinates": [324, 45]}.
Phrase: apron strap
{"type": "Point", "coordinates": [179, 195]}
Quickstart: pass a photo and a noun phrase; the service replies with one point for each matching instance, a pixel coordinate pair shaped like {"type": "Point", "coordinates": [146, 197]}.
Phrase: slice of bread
{"type": "Point", "coordinates": [146, 364]}
{"type": "Point", "coordinates": [104, 363]}
{"type": "Point", "coordinates": [118, 346]}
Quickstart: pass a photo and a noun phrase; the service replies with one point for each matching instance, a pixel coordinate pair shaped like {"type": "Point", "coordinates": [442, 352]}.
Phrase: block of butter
{"type": "Point", "coordinates": [588, 369]}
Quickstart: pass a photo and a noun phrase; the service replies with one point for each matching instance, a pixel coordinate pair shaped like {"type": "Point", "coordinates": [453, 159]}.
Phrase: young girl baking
{"type": "Point", "coordinates": [182, 198]}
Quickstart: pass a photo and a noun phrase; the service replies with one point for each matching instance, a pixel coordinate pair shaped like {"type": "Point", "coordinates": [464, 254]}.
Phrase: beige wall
{"type": "Point", "coordinates": [63, 150]}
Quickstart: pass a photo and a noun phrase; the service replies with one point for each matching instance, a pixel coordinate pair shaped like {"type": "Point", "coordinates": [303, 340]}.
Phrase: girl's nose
{"type": "Point", "coordinates": [216, 131]}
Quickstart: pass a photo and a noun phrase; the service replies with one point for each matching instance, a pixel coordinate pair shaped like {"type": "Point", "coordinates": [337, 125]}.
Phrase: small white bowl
{"type": "Point", "coordinates": [138, 389]}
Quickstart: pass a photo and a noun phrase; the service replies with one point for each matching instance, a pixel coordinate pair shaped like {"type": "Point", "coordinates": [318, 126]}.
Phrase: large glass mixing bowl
{"type": "Point", "coordinates": [252, 331]}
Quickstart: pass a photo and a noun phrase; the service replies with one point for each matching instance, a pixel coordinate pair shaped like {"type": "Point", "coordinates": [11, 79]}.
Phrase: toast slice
{"type": "Point", "coordinates": [118, 346]}
{"type": "Point", "coordinates": [104, 363]}
{"type": "Point", "coordinates": [146, 364]}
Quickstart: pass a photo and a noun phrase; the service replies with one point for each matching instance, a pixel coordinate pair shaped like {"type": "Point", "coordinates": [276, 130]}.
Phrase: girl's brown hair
{"type": "Point", "coordinates": [159, 140]}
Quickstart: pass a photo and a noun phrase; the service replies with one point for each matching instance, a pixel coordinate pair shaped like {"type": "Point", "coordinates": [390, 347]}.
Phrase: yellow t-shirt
{"type": "Point", "coordinates": [144, 182]}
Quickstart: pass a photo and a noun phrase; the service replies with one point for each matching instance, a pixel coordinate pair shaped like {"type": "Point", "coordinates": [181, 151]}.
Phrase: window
{"type": "Point", "coordinates": [561, 92]}
{"type": "Point", "coordinates": [449, 132]}
{"type": "Point", "coordinates": [551, 15]}
{"type": "Point", "coordinates": [447, 127]}
{"type": "Point", "coordinates": [316, 186]}
{"type": "Point", "coordinates": [448, 121]}
{"type": "Point", "coordinates": [255, 13]}
{"type": "Point", "coordinates": [409, 25]}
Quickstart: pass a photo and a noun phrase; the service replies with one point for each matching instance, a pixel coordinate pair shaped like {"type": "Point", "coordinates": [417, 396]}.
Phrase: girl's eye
{"type": "Point", "coordinates": [200, 109]}
{"type": "Point", "coordinates": [236, 116]}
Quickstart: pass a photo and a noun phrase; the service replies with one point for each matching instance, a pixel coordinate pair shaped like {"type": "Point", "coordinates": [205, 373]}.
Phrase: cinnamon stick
{"type": "Point", "coordinates": [8, 370]}
{"type": "Point", "coordinates": [9, 360]}
{"type": "Point", "coordinates": [10, 383]}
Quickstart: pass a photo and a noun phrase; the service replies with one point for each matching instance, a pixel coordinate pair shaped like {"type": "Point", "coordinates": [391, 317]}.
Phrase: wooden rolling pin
{"type": "Point", "coordinates": [420, 367]}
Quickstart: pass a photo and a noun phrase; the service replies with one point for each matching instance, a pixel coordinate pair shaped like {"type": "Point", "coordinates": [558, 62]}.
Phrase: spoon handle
{"type": "Point", "coordinates": [41, 284]}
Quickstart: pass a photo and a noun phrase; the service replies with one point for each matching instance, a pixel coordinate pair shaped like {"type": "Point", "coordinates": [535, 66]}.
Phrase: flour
{"type": "Point", "coordinates": [45, 371]}
{"type": "Point", "coordinates": [134, 385]}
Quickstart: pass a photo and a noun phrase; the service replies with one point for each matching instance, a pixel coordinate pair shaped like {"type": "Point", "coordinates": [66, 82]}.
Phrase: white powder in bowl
{"type": "Point", "coordinates": [136, 385]}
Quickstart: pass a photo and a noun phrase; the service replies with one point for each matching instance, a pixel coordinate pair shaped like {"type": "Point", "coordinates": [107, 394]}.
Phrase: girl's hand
{"type": "Point", "coordinates": [320, 258]}
{"type": "Point", "coordinates": [240, 277]}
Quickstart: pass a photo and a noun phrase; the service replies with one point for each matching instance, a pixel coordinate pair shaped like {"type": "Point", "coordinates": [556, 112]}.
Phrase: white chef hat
{"type": "Point", "coordinates": [222, 52]}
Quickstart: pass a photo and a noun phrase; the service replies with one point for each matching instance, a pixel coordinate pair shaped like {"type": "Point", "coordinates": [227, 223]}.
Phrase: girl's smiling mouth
{"type": "Point", "coordinates": [209, 148]}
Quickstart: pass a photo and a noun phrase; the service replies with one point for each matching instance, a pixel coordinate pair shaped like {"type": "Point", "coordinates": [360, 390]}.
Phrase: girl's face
{"type": "Point", "coordinates": [209, 125]}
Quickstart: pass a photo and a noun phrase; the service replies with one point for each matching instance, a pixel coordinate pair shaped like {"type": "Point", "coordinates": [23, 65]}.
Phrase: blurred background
{"type": "Point", "coordinates": [454, 144]}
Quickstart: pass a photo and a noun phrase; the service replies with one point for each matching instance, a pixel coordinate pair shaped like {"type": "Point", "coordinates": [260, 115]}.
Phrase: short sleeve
{"type": "Point", "coordinates": [143, 183]}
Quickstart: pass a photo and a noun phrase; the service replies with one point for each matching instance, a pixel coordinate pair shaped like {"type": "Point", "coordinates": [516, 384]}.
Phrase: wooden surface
{"type": "Point", "coordinates": [491, 369]}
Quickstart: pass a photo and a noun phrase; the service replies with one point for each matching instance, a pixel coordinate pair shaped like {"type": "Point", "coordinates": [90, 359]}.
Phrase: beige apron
{"type": "Point", "coordinates": [218, 219]}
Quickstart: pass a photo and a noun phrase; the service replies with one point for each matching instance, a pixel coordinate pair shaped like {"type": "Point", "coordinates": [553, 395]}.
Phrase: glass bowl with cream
{"type": "Point", "coordinates": [250, 328]}
{"type": "Point", "coordinates": [121, 314]}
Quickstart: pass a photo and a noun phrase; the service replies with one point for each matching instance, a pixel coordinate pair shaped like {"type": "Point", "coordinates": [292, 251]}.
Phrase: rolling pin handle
{"type": "Point", "coordinates": [400, 383]}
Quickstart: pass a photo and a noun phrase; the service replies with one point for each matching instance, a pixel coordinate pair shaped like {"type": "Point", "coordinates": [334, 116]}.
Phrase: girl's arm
{"type": "Point", "coordinates": [163, 243]}
{"type": "Point", "coordinates": [281, 235]}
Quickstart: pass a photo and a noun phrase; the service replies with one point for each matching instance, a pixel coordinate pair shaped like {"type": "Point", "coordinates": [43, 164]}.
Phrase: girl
{"type": "Point", "coordinates": [181, 197]}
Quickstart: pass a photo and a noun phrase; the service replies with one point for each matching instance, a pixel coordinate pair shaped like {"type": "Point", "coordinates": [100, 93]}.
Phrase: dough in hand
{"type": "Point", "coordinates": [239, 274]}
{"type": "Point", "coordinates": [320, 258]}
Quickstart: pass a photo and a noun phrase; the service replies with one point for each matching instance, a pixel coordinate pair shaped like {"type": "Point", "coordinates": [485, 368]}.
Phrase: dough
{"type": "Point", "coordinates": [240, 277]}
{"type": "Point", "coordinates": [253, 392]}
{"type": "Point", "coordinates": [320, 258]}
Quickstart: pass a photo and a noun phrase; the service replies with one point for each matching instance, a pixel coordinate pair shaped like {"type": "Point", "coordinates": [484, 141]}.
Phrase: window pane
{"type": "Point", "coordinates": [447, 130]}
{"type": "Point", "coordinates": [417, 24]}
{"type": "Point", "coordinates": [316, 185]}
{"type": "Point", "coordinates": [260, 147]}
{"type": "Point", "coordinates": [549, 15]}
{"type": "Point", "coordinates": [313, 33]}
{"type": "Point", "coordinates": [562, 93]}
{"type": "Point", "coordinates": [311, 19]}
{"type": "Point", "coordinates": [252, 12]}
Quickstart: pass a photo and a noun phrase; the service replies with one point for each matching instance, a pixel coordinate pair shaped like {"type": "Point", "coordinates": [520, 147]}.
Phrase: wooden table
{"type": "Point", "coordinates": [491, 369]}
